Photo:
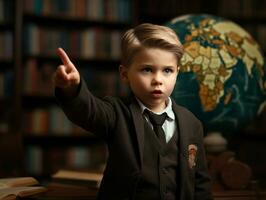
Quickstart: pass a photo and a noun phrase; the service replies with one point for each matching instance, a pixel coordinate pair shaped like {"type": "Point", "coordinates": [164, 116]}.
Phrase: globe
{"type": "Point", "coordinates": [222, 78]}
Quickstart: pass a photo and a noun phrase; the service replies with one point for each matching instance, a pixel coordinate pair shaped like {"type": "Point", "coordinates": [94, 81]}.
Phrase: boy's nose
{"type": "Point", "coordinates": [157, 79]}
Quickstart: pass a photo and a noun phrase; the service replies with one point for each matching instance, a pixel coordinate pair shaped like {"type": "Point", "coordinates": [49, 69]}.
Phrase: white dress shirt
{"type": "Point", "coordinates": [169, 125]}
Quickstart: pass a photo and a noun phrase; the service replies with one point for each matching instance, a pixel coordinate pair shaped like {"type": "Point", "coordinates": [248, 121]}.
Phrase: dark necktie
{"type": "Point", "coordinates": [157, 122]}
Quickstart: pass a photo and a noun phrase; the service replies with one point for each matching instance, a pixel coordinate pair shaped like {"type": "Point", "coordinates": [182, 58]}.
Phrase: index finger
{"type": "Point", "coordinates": [63, 56]}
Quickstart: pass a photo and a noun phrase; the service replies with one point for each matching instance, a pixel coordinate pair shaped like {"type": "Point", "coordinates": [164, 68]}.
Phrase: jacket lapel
{"type": "Point", "coordinates": [183, 137]}
{"type": "Point", "coordinates": [139, 127]}
{"type": "Point", "coordinates": [183, 152]}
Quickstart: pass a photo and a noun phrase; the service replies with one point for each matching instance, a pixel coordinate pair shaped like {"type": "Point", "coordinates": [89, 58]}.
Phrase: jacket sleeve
{"type": "Point", "coordinates": [202, 179]}
{"type": "Point", "coordinates": [87, 111]}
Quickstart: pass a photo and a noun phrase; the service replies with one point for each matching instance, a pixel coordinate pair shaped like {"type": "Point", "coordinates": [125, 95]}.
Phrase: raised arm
{"type": "Point", "coordinates": [78, 103]}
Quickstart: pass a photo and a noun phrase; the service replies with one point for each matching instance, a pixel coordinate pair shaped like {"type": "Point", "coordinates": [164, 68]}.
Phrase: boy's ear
{"type": "Point", "coordinates": [178, 69]}
{"type": "Point", "coordinates": [123, 73]}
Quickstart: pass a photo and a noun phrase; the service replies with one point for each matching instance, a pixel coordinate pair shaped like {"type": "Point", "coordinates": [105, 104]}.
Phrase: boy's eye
{"type": "Point", "coordinates": [168, 70]}
{"type": "Point", "coordinates": [146, 69]}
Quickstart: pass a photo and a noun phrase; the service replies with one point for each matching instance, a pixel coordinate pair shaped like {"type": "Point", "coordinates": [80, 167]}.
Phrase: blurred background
{"type": "Point", "coordinates": [36, 138]}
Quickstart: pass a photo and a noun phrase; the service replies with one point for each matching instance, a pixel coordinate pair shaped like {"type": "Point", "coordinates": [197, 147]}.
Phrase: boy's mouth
{"type": "Point", "coordinates": [157, 93]}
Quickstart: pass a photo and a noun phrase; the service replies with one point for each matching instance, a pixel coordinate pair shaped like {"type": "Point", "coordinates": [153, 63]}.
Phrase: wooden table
{"type": "Point", "coordinates": [64, 192]}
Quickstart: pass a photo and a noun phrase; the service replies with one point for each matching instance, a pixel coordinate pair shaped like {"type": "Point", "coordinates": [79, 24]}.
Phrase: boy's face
{"type": "Point", "coordinates": [152, 76]}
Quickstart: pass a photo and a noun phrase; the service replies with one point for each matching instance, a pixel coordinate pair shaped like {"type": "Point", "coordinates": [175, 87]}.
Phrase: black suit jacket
{"type": "Point", "coordinates": [120, 124]}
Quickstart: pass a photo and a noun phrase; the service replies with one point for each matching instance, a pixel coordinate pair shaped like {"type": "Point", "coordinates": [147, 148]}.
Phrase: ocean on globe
{"type": "Point", "coordinates": [222, 79]}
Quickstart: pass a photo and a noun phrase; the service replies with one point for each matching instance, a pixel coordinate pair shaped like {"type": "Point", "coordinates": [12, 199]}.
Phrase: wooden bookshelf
{"type": "Point", "coordinates": [8, 166]}
{"type": "Point", "coordinates": [33, 116]}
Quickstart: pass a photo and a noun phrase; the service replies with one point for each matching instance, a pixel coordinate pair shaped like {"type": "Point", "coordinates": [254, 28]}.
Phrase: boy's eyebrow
{"type": "Point", "coordinates": [170, 66]}
{"type": "Point", "coordinates": [146, 65]}
{"type": "Point", "coordinates": [152, 65]}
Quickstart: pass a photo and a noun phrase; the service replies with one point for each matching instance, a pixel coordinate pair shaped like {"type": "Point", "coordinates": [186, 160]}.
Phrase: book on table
{"type": "Point", "coordinates": [11, 188]}
{"type": "Point", "coordinates": [78, 178]}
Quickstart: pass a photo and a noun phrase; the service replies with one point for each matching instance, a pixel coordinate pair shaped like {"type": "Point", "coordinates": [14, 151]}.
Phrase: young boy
{"type": "Point", "coordinates": [146, 161]}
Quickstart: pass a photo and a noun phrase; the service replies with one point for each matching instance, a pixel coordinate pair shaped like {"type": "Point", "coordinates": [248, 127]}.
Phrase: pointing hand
{"type": "Point", "coordinates": [66, 76]}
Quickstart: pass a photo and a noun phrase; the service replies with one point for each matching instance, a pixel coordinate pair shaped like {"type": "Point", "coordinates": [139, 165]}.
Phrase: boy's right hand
{"type": "Point", "coordinates": [66, 76]}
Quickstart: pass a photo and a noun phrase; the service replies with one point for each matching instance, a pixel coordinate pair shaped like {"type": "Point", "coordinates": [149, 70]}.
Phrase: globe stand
{"type": "Point", "coordinates": [227, 173]}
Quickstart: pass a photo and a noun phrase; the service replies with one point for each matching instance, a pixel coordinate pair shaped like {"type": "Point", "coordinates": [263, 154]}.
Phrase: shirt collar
{"type": "Point", "coordinates": [168, 110]}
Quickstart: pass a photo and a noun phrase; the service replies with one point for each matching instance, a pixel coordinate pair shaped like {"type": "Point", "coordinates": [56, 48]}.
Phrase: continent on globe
{"type": "Point", "coordinates": [223, 80]}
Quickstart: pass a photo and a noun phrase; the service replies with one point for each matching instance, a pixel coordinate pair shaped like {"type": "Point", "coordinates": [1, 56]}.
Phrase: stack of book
{"type": "Point", "coordinates": [77, 178]}
{"type": "Point", "coordinates": [71, 184]}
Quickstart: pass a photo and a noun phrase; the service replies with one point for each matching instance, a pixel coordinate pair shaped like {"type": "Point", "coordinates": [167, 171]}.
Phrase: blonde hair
{"type": "Point", "coordinates": [149, 36]}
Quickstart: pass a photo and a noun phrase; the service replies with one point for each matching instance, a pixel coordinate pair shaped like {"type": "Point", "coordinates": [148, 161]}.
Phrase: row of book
{"type": "Point", "coordinates": [48, 121]}
{"type": "Point", "coordinates": [6, 7]}
{"type": "Point", "coordinates": [38, 160]}
{"type": "Point", "coordinates": [109, 10]}
{"type": "Point", "coordinates": [104, 83]}
{"type": "Point", "coordinates": [88, 43]}
{"type": "Point", "coordinates": [6, 83]}
{"type": "Point", "coordinates": [6, 45]}
{"type": "Point", "coordinates": [37, 80]}
{"type": "Point", "coordinates": [150, 7]}
{"type": "Point", "coordinates": [258, 33]}
{"type": "Point", "coordinates": [172, 8]}
{"type": "Point", "coordinates": [235, 8]}
{"type": "Point", "coordinates": [245, 8]}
